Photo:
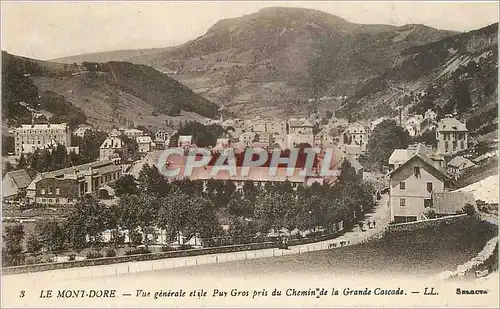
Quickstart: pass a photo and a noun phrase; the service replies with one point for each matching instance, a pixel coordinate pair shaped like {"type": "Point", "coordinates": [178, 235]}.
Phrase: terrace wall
{"type": "Point", "coordinates": [417, 225]}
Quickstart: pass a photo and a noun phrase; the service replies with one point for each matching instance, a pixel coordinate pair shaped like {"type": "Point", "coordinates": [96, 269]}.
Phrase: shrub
{"type": "Point", "coordinates": [167, 249]}
{"type": "Point", "coordinates": [94, 255]}
{"type": "Point", "coordinates": [30, 260]}
{"type": "Point", "coordinates": [135, 251]}
{"type": "Point", "coordinates": [185, 247]}
{"type": "Point", "coordinates": [110, 253]}
{"type": "Point", "coordinates": [71, 257]}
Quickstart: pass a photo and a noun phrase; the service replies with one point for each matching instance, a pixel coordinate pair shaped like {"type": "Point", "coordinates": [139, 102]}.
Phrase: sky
{"type": "Point", "coordinates": [47, 30]}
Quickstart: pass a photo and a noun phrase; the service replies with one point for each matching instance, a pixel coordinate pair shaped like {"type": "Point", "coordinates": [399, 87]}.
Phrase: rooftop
{"type": "Point", "coordinates": [451, 124]}
{"type": "Point", "coordinates": [452, 202]}
{"type": "Point", "coordinates": [20, 177]}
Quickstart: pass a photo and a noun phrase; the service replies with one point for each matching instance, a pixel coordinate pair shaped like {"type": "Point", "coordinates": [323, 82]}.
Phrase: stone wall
{"type": "Point", "coordinates": [474, 263]}
{"type": "Point", "coordinates": [412, 226]}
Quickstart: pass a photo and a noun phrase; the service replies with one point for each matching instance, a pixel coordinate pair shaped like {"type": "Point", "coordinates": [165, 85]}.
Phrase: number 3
{"type": "Point", "coordinates": [22, 294]}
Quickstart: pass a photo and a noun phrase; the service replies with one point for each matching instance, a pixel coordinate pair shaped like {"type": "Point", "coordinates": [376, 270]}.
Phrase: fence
{"type": "Point", "coordinates": [187, 257]}
{"type": "Point", "coordinates": [157, 265]}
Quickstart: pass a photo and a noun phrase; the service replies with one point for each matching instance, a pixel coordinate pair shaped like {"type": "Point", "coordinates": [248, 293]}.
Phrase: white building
{"type": "Point", "coordinates": [185, 140]}
{"type": "Point", "coordinates": [80, 131]}
{"type": "Point", "coordinates": [144, 144]}
{"type": "Point", "coordinates": [111, 146]}
{"type": "Point", "coordinates": [452, 136]}
{"type": "Point", "coordinates": [133, 133]}
{"type": "Point", "coordinates": [30, 137]}
{"type": "Point", "coordinates": [300, 126]}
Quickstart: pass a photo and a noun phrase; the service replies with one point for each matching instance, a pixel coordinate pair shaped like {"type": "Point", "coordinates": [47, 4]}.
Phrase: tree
{"type": "Point", "coordinates": [13, 237]}
{"type": "Point", "coordinates": [348, 173]}
{"type": "Point", "coordinates": [90, 144]}
{"type": "Point", "coordinates": [7, 168]}
{"type": "Point", "coordinates": [51, 234]}
{"type": "Point", "coordinates": [386, 137]}
{"type": "Point", "coordinates": [152, 182]}
{"type": "Point", "coordinates": [129, 212]}
{"type": "Point", "coordinates": [469, 209]}
{"type": "Point", "coordinates": [33, 244]}
{"type": "Point", "coordinates": [89, 217]}
{"type": "Point", "coordinates": [126, 185]}
{"type": "Point", "coordinates": [271, 210]}
{"type": "Point", "coordinates": [7, 144]}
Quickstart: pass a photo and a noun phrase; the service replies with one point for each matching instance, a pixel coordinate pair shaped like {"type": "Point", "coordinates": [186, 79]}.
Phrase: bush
{"type": "Point", "coordinates": [185, 247]}
{"type": "Point", "coordinates": [30, 260]}
{"type": "Point", "coordinates": [71, 257]}
{"type": "Point", "coordinates": [110, 253]}
{"type": "Point", "coordinates": [135, 251]}
{"type": "Point", "coordinates": [167, 249]}
{"type": "Point", "coordinates": [94, 255]}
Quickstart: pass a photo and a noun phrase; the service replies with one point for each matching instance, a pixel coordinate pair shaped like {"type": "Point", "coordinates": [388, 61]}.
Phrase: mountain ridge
{"type": "Point", "coordinates": [273, 61]}
{"type": "Point", "coordinates": [103, 94]}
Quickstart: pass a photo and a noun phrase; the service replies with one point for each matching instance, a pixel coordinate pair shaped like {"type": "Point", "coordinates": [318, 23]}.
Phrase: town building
{"type": "Point", "coordinates": [30, 137]}
{"type": "Point", "coordinates": [247, 138]}
{"type": "Point", "coordinates": [412, 185]}
{"type": "Point", "coordinates": [162, 139]}
{"type": "Point", "coordinates": [400, 156]}
{"type": "Point", "coordinates": [14, 184]}
{"type": "Point", "coordinates": [264, 137]}
{"type": "Point", "coordinates": [459, 165]}
{"type": "Point", "coordinates": [133, 133]}
{"type": "Point", "coordinates": [185, 141]}
{"type": "Point", "coordinates": [300, 126]}
{"type": "Point", "coordinates": [430, 115]}
{"type": "Point", "coordinates": [451, 135]}
{"type": "Point", "coordinates": [144, 144]}
{"type": "Point", "coordinates": [294, 140]}
{"type": "Point", "coordinates": [111, 147]}
{"type": "Point", "coordinates": [357, 133]}
{"type": "Point", "coordinates": [323, 140]}
{"type": "Point", "coordinates": [66, 185]}
{"type": "Point", "coordinates": [80, 131]}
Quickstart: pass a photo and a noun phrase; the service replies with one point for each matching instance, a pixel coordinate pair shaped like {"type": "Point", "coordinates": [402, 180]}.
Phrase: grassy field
{"type": "Point", "coordinates": [420, 253]}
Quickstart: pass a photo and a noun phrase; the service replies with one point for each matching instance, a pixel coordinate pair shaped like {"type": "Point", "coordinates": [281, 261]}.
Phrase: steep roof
{"type": "Point", "coordinates": [438, 171]}
{"type": "Point", "coordinates": [20, 177]}
{"type": "Point", "coordinates": [452, 202]}
{"type": "Point", "coordinates": [461, 162]}
{"type": "Point", "coordinates": [451, 124]}
{"type": "Point", "coordinates": [398, 156]}
{"type": "Point", "coordinates": [112, 142]}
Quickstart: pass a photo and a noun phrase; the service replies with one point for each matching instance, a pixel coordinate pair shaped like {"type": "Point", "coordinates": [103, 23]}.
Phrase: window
{"type": "Point", "coordinates": [42, 191]}
{"type": "Point", "coordinates": [50, 190]}
{"type": "Point", "coordinates": [416, 171]}
{"type": "Point", "coordinates": [402, 185]}
{"type": "Point", "coordinates": [427, 203]}
{"type": "Point", "coordinates": [402, 202]}
{"type": "Point", "coordinates": [57, 191]}
{"type": "Point", "coordinates": [429, 187]}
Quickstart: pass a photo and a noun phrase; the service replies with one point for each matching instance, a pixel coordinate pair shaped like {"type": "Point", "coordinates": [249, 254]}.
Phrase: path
{"type": "Point", "coordinates": [380, 215]}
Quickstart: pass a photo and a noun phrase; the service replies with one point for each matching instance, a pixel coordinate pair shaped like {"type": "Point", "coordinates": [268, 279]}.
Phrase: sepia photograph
{"type": "Point", "coordinates": [258, 154]}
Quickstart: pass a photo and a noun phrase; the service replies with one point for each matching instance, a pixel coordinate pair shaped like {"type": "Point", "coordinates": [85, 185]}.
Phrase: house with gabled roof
{"type": "Point", "coordinates": [15, 183]}
{"type": "Point", "coordinates": [412, 185]}
{"type": "Point", "coordinates": [459, 165]}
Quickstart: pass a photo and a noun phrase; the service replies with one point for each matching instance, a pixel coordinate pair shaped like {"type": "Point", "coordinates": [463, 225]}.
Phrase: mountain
{"type": "Point", "coordinates": [273, 61]}
{"type": "Point", "coordinates": [102, 94]}
{"type": "Point", "coordinates": [456, 74]}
